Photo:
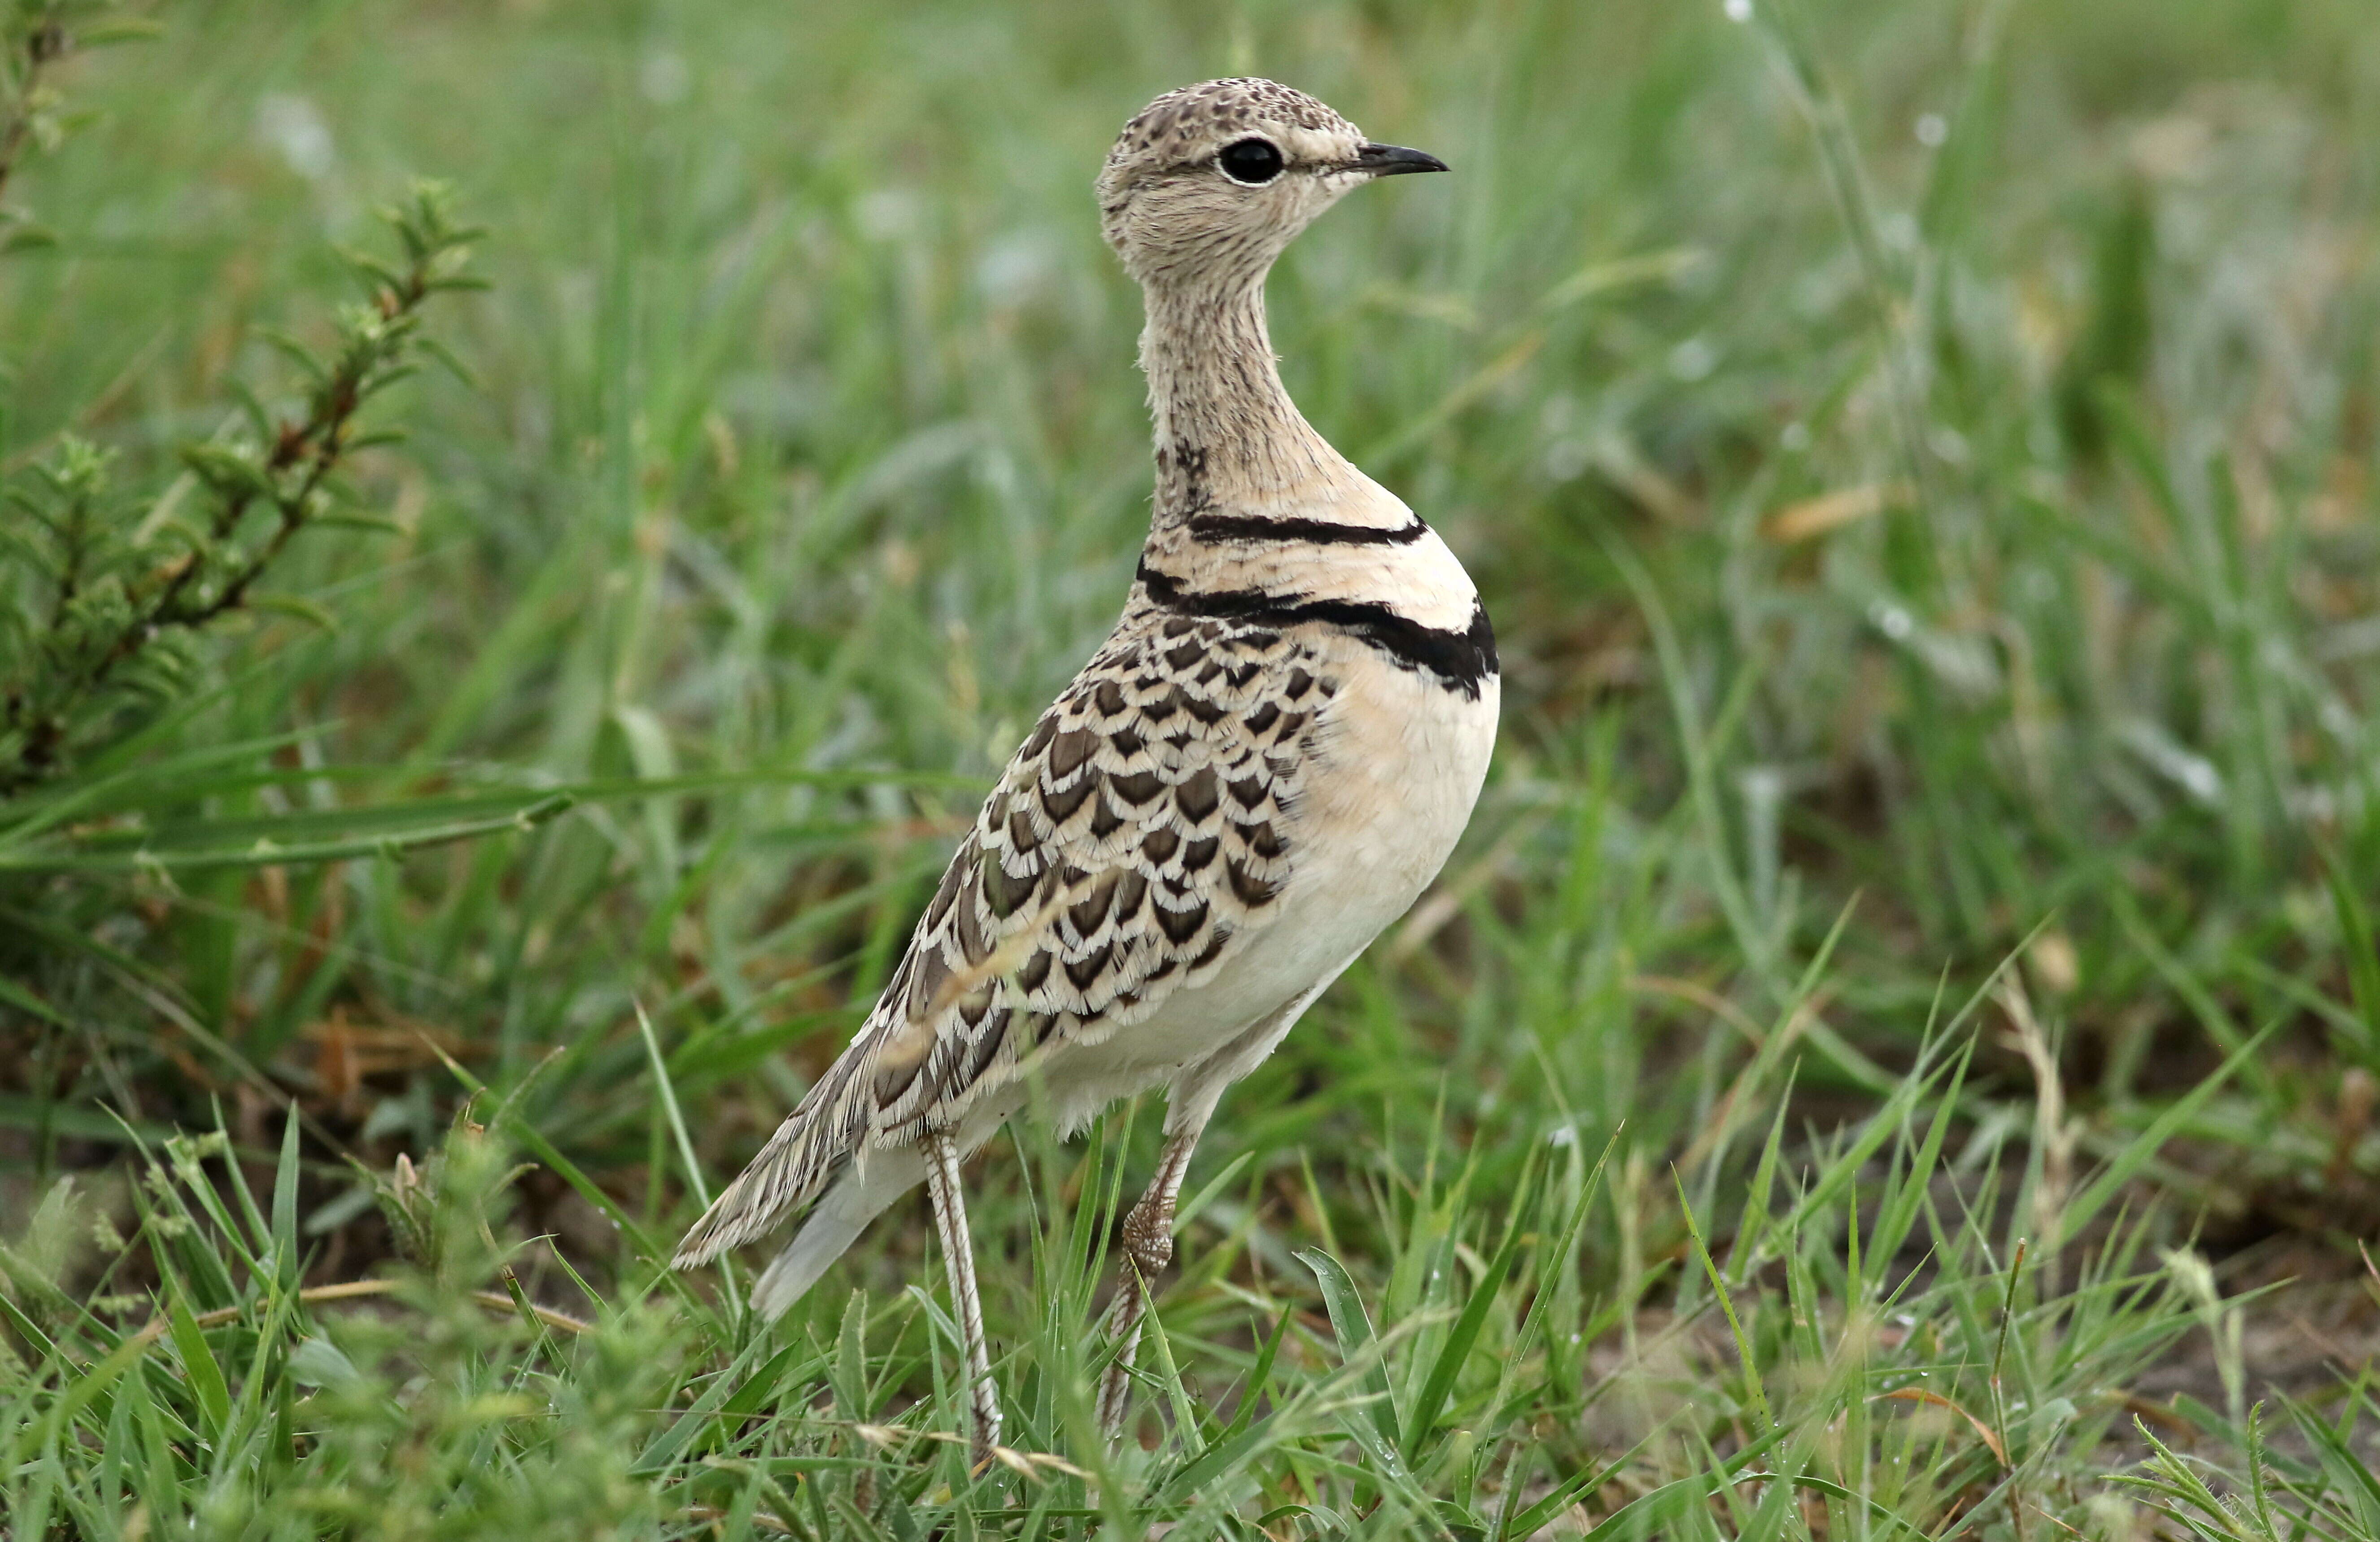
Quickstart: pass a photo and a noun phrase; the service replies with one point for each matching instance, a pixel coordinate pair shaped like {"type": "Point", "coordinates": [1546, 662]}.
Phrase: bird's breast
{"type": "Point", "coordinates": [1399, 764]}
{"type": "Point", "coordinates": [1398, 760]}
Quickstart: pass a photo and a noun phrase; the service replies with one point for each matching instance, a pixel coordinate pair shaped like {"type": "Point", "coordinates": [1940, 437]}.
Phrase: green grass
{"type": "Point", "coordinates": [1906, 999]}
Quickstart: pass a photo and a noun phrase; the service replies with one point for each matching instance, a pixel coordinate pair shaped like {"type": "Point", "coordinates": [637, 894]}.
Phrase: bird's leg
{"type": "Point", "coordinates": [1147, 1249]}
{"type": "Point", "coordinates": [958, 1257]}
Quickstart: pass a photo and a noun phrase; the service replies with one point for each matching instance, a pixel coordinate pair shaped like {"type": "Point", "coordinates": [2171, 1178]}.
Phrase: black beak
{"type": "Point", "coordinates": [1395, 159]}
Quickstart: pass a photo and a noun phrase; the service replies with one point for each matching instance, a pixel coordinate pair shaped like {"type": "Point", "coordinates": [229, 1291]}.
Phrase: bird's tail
{"type": "Point", "coordinates": [809, 1153]}
{"type": "Point", "coordinates": [858, 1197]}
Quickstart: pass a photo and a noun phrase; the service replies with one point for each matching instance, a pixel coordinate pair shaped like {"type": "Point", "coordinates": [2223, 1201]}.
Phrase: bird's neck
{"type": "Point", "coordinates": [1228, 436]}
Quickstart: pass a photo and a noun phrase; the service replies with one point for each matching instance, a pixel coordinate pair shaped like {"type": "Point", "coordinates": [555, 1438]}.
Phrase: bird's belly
{"type": "Point", "coordinates": [1395, 776]}
{"type": "Point", "coordinates": [1401, 766]}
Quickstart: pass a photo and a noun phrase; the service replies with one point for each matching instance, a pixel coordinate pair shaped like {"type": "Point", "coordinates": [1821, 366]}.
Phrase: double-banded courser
{"type": "Point", "coordinates": [1267, 761]}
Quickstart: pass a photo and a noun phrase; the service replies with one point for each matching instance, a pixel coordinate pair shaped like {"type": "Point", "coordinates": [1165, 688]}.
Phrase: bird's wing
{"type": "Point", "coordinates": [1134, 841]}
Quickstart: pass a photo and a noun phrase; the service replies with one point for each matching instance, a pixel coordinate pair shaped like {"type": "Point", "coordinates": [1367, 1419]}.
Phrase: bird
{"type": "Point", "coordinates": [1271, 758]}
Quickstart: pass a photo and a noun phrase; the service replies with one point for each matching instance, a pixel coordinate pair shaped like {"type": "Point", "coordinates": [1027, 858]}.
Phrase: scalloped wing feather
{"type": "Point", "coordinates": [1133, 844]}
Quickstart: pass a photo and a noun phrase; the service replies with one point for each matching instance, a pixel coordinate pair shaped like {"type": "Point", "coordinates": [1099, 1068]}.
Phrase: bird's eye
{"type": "Point", "coordinates": [1251, 162]}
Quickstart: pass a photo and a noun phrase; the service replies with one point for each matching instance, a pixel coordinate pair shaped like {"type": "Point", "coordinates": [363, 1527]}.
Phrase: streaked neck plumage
{"type": "Point", "coordinates": [1228, 437]}
{"type": "Point", "coordinates": [1258, 517]}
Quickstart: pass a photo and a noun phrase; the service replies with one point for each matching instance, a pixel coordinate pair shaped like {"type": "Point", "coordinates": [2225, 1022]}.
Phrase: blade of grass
{"type": "Point", "coordinates": [2084, 1206]}
{"type": "Point", "coordinates": [1352, 1327]}
{"type": "Point", "coordinates": [1421, 1420]}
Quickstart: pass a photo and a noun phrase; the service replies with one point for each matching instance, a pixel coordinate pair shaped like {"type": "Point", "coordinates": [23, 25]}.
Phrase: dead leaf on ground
{"type": "Point", "coordinates": [1827, 511]}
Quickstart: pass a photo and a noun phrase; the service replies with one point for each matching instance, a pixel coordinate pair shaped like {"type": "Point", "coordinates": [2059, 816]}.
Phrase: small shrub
{"type": "Point", "coordinates": [112, 597]}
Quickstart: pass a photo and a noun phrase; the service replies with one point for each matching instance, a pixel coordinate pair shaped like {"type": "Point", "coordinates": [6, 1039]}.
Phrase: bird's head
{"type": "Point", "coordinates": [1210, 182]}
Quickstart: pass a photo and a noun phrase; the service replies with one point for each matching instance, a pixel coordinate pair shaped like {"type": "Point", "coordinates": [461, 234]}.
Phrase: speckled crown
{"type": "Point", "coordinates": [1186, 118]}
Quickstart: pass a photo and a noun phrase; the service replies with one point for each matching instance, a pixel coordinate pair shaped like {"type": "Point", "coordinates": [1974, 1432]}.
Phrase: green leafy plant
{"type": "Point", "coordinates": [114, 595]}
{"type": "Point", "coordinates": [36, 38]}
